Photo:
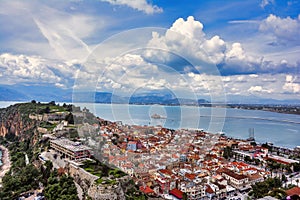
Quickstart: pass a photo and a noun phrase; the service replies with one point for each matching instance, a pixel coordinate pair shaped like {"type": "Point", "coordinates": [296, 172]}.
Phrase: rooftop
{"type": "Point", "coordinates": [70, 145]}
{"type": "Point", "coordinates": [234, 175]}
{"type": "Point", "coordinates": [146, 189]}
{"type": "Point", "coordinates": [293, 191]}
{"type": "Point", "coordinates": [177, 193]}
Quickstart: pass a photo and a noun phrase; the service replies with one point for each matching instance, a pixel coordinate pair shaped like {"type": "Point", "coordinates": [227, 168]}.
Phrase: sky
{"type": "Point", "coordinates": [203, 49]}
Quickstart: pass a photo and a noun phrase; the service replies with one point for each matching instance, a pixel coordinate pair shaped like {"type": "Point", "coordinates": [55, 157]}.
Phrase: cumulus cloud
{"type": "Point", "coordinates": [129, 72]}
{"type": "Point", "coordinates": [149, 77]}
{"type": "Point", "coordinates": [283, 30]}
{"type": "Point", "coordinates": [187, 39]}
{"type": "Point", "coordinates": [278, 86]}
{"type": "Point", "coordinates": [33, 69]}
{"type": "Point", "coordinates": [125, 74]}
{"type": "Point", "coordinates": [140, 5]}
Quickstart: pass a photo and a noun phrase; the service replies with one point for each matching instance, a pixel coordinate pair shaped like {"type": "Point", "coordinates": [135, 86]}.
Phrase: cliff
{"type": "Point", "coordinates": [14, 121]}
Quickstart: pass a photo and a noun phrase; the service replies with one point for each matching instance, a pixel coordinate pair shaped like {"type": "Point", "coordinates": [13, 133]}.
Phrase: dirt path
{"type": "Point", "coordinates": [5, 162]}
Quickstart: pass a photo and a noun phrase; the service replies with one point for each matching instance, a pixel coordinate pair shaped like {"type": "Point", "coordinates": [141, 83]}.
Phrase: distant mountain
{"type": "Point", "coordinates": [106, 97]}
{"type": "Point", "coordinates": [252, 99]}
{"type": "Point", "coordinates": [7, 94]}
{"type": "Point", "coordinates": [46, 93]}
{"type": "Point", "coordinates": [39, 93]}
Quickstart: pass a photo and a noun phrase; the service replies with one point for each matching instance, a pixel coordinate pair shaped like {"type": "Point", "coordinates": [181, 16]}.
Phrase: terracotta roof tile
{"type": "Point", "coordinates": [293, 191]}
{"type": "Point", "coordinates": [177, 193]}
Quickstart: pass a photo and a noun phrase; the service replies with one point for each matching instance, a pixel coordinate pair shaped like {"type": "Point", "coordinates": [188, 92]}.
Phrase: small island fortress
{"type": "Point", "coordinates": [157, 116]}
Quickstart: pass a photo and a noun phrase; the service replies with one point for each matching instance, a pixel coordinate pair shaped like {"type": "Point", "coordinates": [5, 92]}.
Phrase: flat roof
{"type": "Point", "coordinates": [70, 145]}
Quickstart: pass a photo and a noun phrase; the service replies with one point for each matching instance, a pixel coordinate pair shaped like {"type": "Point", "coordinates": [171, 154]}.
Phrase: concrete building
{"type": "Point", "coordinates": [238, 181]}
{"type": "Point", "coordinates": [69, 149]}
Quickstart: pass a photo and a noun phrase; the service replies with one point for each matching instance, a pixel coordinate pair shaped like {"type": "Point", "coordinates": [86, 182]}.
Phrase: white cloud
{"type": "Point", "coordinates": [236, 52]}
{"type": "Point", "coordinates": [186, 38]}
{"type": "Point", "coordinates": [130, 72]}
{"type": "Point", "coordinates": [277, 86]}
{"type": "Point", "coordinates": [292, 84]}
{"type": "Point", "coordinates": [284, 30]}
{"type": "Point", "coordinates": [264, 3]}
{"type": "Point", "coordinates": [190, 28]}
{"type": "Point", "coordinates": [33, 69]}
{"type": "Point", "coordinates": [255, 89]}
{"type": "Point", "coordinates": [140, 5]}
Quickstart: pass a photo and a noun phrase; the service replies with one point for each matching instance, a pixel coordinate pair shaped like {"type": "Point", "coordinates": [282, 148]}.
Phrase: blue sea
{"type": "Point", "coordinates": [280, 129]}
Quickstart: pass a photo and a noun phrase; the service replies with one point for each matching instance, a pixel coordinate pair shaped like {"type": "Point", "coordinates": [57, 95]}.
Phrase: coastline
{"type": "Point", "coordinates": [6, 164]}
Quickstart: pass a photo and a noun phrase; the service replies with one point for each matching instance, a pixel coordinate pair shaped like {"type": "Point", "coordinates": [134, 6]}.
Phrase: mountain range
{"type": "Point", "coordinates": [45, 93]}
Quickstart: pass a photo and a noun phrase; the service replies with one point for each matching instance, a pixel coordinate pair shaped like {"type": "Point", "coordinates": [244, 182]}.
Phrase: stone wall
{"type": "Point", "coordinates": [106, 192]}
{"type": "Point", "coordinates": [82, 177]}
{"type": "Point", "coordinates": [96, 191]}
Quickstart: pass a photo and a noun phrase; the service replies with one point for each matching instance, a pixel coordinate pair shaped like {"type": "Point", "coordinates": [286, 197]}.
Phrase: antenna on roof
{"type": "Point", "coordinates": [251, 134]}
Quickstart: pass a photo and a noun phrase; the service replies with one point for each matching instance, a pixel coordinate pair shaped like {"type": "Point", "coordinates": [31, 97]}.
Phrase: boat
{"type": "Point", "coordinates": [157, 116]}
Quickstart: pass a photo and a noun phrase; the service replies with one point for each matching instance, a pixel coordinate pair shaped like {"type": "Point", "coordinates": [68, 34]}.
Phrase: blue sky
{"type": "Point", "coordinates": [203, 48]}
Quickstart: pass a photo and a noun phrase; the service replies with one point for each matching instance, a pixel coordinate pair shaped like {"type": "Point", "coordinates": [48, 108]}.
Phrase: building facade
{"type": "Point", "coordinates": [69, 149]}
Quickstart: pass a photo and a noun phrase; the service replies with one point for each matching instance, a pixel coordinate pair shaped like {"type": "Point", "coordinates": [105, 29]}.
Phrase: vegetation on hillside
{"type": "Point", "coordinates": [60, 188]}
{"type": "Point", "coordinates": [103, 172]}
{"type": "Point", "coordinates": [23, 177]}
{"type": "Point", "coordinates": [269, 187]}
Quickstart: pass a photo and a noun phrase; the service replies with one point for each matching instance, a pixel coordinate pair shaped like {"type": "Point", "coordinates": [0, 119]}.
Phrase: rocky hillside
{"type": "Point", "coordinates": [14, 120]}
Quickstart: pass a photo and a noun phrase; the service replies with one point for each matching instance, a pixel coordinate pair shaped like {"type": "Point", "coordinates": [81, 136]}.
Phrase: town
{"type": "Point", "coordinates": [170, 164]}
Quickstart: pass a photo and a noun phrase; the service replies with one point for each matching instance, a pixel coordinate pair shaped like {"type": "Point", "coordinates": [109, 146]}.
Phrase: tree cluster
{"type": "Point", "coordinates": [60, 188]}
{"type": "Point", "coordinates": [270, 186]}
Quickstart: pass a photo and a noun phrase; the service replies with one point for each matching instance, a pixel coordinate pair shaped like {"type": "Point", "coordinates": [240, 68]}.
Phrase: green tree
{"type": "Point", "coordinates": [69, 118]}
{"type": "Point", "coordinates": [46, 171]}
{"type": "Point", "coordinates": [283, 178]}
{"type": "Point", "coordinates": [52, 103]}
{"type": "Point", "coordinates": [247, 159]}
{"type": "Point", "coordinates": [262, 189]}
{"type": "Point", "coordinates": [62, 188]}
{"type": "Point", "coordinates": [184, 196]}
{"type": "Point", "coordinates": [47, 109]}
{"type": "Point", "coordinates": [227, 152]}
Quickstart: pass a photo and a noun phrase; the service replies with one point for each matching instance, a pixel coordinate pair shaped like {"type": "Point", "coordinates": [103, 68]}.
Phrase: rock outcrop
{"type": "Point", "coordinates": [14, 122]}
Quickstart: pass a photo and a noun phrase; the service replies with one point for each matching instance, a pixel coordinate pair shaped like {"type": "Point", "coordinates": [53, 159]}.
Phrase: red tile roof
{"type": "Point", "coordinates": [209, 190]}
{"type": "Point", "coordinates": [293, 191]}
{"type": "Point", "coordinates": [234, 175]}
{"type": "Point", "coordinates": [177, 193]}
{"type": "Point", "coordinates": [190, 176]}
{"type": "Point", "coordinates": [146, 189]}
{"type": "Point", "coordinates": [165, 171]}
